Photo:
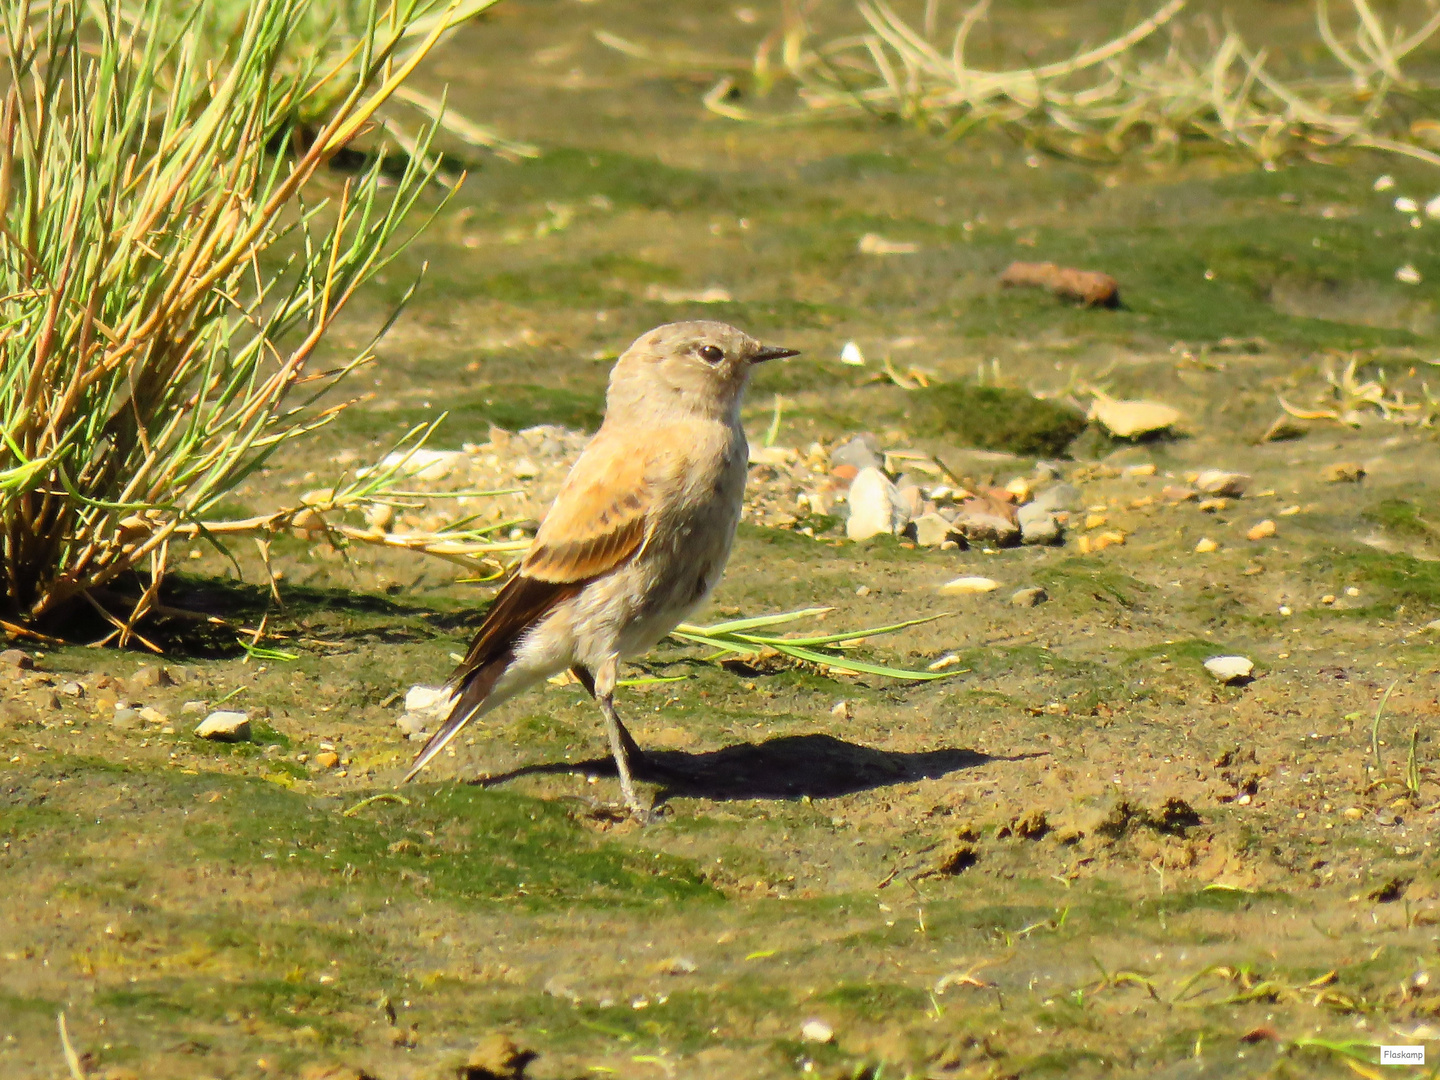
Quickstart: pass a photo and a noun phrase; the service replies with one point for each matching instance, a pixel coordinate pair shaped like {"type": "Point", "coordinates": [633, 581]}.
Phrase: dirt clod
{"type": "Point", "coordinates": [1389, 891]}
{"type": "Point", "coordinates": [1343, 472]}
{"type": "Point", "coordinates": [1089, 287]}
{"type": "Point", "coordinates": [324, 1071]}
{"type": "Point", "coordinates": [496, 1057]}
{"type": "Point", "coordinates": [15, 660]}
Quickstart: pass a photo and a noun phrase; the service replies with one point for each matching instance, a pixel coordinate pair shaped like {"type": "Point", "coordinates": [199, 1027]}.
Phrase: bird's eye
{"type": "Point", "coordinates": [711, 354]}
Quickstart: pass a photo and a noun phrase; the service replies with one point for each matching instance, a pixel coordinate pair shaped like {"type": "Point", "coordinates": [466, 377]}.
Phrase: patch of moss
{"type": "Point", "coordinates": [1084, 584]}
{"type": "Point", "coordinates": [464, 843]}
{"type": "Point", "coordinates": [1402, 518]}
{"type": "Point", "coordinates": [513, 406]}
{"type": "Point", "coordinates": [995, 418]}
{"type": "Point", "coordinates": [1190, 653]}
{"type": "Point", "coordinates": [1404, 578]}
{"type": "Point", "coordinates": [876, 1001]}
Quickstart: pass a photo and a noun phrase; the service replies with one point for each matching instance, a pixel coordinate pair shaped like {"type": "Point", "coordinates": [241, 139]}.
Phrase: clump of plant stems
{"type": "Point", "coordinates": [1162, 84]}
{"type": "Point", "coordinates": [166, 279]}
{"type": "Point", "coordinates": [330, 37]}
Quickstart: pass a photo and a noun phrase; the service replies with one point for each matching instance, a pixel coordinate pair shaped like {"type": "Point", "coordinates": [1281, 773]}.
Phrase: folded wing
{"type": "Point", "coordinates": [600, 520]}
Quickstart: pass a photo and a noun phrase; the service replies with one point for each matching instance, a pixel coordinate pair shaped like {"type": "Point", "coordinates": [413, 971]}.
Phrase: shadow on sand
{"type": "Point", "coordinates": [786, 767]}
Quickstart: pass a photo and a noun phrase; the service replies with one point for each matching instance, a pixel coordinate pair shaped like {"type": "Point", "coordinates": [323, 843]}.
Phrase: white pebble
{"type": "Point", "coordinates": [224, 726]}
{"type": "Point", "coordinates": [876, 506]}
{"type": "Point", "coordinates": [1406, 205]}
{"type": "Point", "coordinates": [852, 355]}
{"type": "Point", "coordinates": [1408, 275]}
{"type": "Point", "coordinates": [964, 586]}
{"type": "Point", "coordinates": [1229, 669]}
{"type": "Point", "coordinates": [817, 1031]}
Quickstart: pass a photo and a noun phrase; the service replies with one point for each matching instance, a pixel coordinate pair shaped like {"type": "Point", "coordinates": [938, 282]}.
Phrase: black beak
{"type": "Point", "coordinates": [771, 352]}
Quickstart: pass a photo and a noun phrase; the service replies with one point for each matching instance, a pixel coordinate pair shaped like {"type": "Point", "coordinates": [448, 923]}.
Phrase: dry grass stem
{"type": "Point", "coordinates": [1154, 85]}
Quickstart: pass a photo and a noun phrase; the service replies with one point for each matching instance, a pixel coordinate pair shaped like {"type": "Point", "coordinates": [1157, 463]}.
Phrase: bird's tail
{"type": "Point", "coordinates": [473, 694]}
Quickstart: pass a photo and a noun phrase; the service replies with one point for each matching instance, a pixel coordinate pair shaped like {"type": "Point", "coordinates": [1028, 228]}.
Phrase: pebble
{"type": "Point", "coordinates": [968, 586]}
{"type": "Point", "coordinates": [816, 1030]}
{"type": "Point", "coordinates": [1204, 546]}
{"type": "Point", "coordinates": [153, 716]}
{"type": "Point", "coordinates": [1092, 542]}
{"type": "Point", "coordinates": [850, 354]}
{"type": "Point", "coordinates": [70, 689]}
{"type": "Point", "coordinates": [425, 464]}
{"type": "Point", "coordinates": [225, 726]}
{"type": "Point", "coordinates": [496, 1057]}
{"type": "Point", "coordinates": [1131, 419]}
{"type": "Point", "coordinates": [1230, 669]}
{"type": "Point", "coordinates": [1037, 525]}
{"type": "Point", "coordinates": [414, 725]}
{"type": "Point", "coordinates": [148, 678]}
{"type": "Point", "coordinates": [986, 520]}
{"type": "Point", "coordinates": [841, 711]}
{"type": "Point", "coordinates": [1343, 472]}
{"type": "Point", "coordinates": [861, 452]}
{"type": "Point", "coordinates": [777, 456]}
{"type": "Point", "coordinates": [16, 660]}
{"type": "Point", "coordinates": [932, 530]}
{"type": "Point", "coordinates": [1212, 505]}
{"type": "Point", "coordinates": [1057, 497]}
{"type": "Point", "coordinates": [913, 499]}
{"type": "Point", "coordinates": [419, 698]}
{"type": "Point", "coordinates": [1219, 482]}
{"type": "Point", "coordinates": [1352, 813]}
{"type": "Point", "coordinates": [192, 708]}
{"type": "Point", "coordinates": [1031, 597]}
{"type": "Point", "coordinates": [1261, 530]}
{"type": "Point", "coordinates": [125, 718]}
{"type": "Point", "coordinates": [327, 759]}
{"type": "Point", "coordinates": [1178, 493]}
{"type": "Point", "coordinates": [876, 506]}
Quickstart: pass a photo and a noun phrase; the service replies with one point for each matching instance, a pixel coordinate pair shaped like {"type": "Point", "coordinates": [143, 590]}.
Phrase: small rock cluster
{"type": "Point", "coordinates": [147, 705]}
{"type": "Point", "coordinates": [907, 493]}
{"type": "Point", "coordinates": [861, 484]}
{"type": "Point", "coordinates": [426, 708]}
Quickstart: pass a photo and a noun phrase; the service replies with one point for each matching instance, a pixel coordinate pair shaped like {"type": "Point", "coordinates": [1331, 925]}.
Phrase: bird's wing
{"type": "Point", "coordinates": [599, 521]}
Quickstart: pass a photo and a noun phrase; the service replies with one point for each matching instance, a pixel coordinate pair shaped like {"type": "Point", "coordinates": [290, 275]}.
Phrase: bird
{"type": "Point", "coordinates": [636, 539]}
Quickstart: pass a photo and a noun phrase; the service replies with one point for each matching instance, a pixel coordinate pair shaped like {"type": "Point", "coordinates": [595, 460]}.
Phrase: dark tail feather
{"type": "Point", "coordinates": [472, 695]}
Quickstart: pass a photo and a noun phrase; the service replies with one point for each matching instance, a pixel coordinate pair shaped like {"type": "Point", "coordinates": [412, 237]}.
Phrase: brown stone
{"type": "Point", "coordinates": [496, 1057]}
{"type": "Point", "coordinates": [1089, 287]}
{"type": "Point", "coordinates": [16, 660]}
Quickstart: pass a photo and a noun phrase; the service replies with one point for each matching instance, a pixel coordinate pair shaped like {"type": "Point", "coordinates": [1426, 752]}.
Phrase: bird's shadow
{"type": "Point", "coordinates": [785, 767]}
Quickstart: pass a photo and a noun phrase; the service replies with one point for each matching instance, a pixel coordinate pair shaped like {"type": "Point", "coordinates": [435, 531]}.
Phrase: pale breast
{"type": "Point", "coordinates": [686, 556]}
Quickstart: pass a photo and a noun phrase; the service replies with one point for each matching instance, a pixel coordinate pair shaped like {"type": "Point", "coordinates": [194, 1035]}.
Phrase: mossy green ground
{"type": "Point", "coordinates": [983, 876]}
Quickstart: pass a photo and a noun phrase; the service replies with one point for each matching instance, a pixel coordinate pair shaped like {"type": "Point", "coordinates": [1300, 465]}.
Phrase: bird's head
{"type": "Point", "coordinates": [696, 367]}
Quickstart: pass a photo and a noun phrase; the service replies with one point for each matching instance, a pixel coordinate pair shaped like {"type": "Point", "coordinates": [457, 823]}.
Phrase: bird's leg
{"type": "Point", "coordinates": [605, 678]}
{"type": "Point", "coordinates": [632, 748]}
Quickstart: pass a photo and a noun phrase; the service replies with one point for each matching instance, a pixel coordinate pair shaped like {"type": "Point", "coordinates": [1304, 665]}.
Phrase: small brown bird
{"type": "Point", "coordinates": [637, 538]}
